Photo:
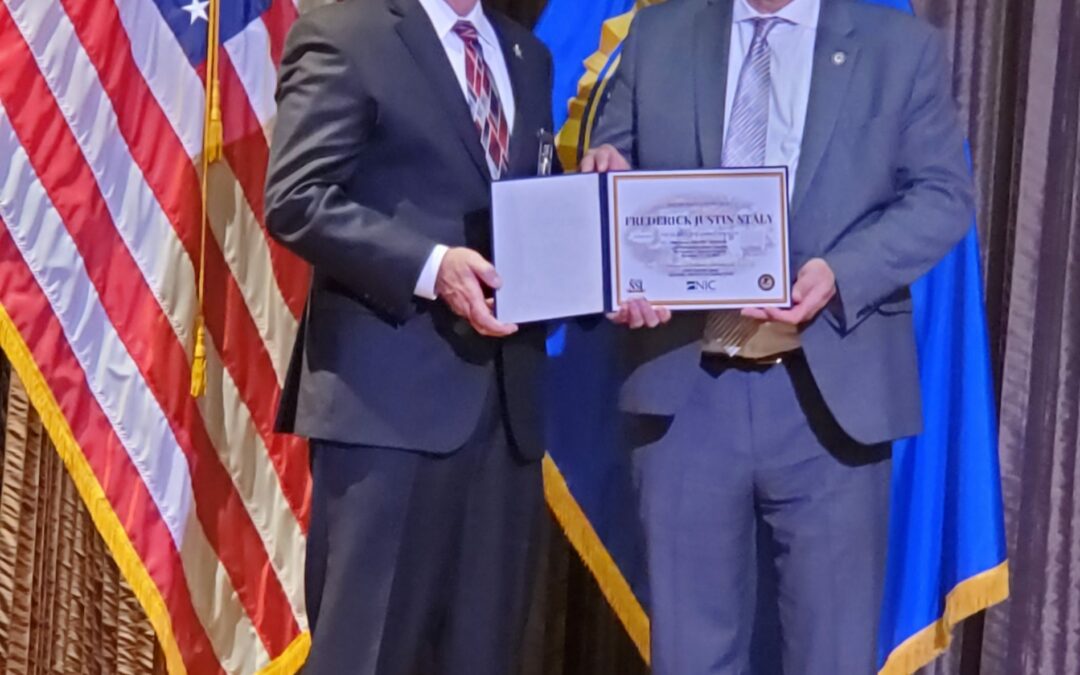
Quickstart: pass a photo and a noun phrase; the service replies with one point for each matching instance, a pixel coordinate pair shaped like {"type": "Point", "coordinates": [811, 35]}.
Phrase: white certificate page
{"type": "Point", "coordinates": [547, 245]}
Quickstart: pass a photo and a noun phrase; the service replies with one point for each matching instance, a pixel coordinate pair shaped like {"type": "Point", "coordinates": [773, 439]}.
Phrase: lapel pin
{"type": "Point", "coordinates": [839, 58]}
{"type": "Point", "coordinates": [517, 51]}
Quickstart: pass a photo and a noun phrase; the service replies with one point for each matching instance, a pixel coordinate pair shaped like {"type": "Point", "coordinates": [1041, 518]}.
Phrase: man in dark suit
{"type": "Point", "coordinates": [394, 118]}
{"type": "Point", "coordinates": [782, 419]}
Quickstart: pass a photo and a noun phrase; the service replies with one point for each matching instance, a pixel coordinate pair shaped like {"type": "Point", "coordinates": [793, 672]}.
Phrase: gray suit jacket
{"type": "Point", "coordinates": [882, 193]}
{"type": "Point", "coordinates": [375, 159]}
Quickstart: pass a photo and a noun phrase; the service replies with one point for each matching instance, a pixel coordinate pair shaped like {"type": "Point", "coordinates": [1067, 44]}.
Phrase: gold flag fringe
{"type": "Point", "coordinates": [968, 597]}
{"type": "Point", "coordinates": [595, 555]}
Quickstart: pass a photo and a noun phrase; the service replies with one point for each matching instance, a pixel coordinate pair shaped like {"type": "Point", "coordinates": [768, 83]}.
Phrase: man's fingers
{"type": "Point", "coordinates": [649, 315]}
{"type": "Point", "coordinates": [640, 313]}
{"type": "Point", "coordinates": [490, 277]}
{"type": "Point", "coordinates": [485, 323]}
{"type": "Point", "coordinates": [471, 296]}
{"type": "Point", "coordinates": [642, 310]}
{"type": "Point", "coordinates": [811, 292]}
{"type": "Point", "coordinates": [458, 302]}
{"type": "Point", "coordinates": [794, 316]}
{"type": "Point", "coordinates": [594, 161]}
{"type": "Point", "coordinates": [462, 289]}
{"type": "Point", "coordinates": [479, 314]}
{"type": "Point", "coordinates": [620, 317]}
{"type": "Point", "coordinates": [782, 315]}
{"type": "Point", "coordinates": [798, 291]}
{"type": "Point", "coordinates": [601, 159]}
{"type": "Point", "coordinates": [490, 327]}
{"type": "Point", "coordinates": [485, 271]}
{"type": "Point", "coordinates": [755, 313]}
{"type": "Point", "coordinates": [779, 315]}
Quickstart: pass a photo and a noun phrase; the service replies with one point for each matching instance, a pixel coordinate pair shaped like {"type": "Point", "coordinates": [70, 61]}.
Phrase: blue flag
{"type": "Point", "coordinates": [570, 29]}
{"type": "Point", "coordinates": [947, 544]}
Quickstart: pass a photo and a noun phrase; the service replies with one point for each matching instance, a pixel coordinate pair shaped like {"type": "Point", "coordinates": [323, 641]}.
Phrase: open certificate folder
{"type": "Point", "coordinates": [585, 243]}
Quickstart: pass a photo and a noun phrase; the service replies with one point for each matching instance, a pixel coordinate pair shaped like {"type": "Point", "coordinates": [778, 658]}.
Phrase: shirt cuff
{"type": "Point", "coordinates": [425, 285]}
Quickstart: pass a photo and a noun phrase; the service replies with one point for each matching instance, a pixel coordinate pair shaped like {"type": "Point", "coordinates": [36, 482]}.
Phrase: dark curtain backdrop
{"type": "Point", "coordinates": [64, 609]}
{"type": "Point", "coordinates": [1017, 65]}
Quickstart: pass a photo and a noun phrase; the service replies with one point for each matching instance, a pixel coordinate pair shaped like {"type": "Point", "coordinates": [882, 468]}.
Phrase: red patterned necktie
{"type": "Point", "coordinates": [487, 110]}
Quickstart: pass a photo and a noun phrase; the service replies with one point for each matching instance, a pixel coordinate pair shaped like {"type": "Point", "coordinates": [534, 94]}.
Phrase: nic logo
{"type": "Point", "coordinates": [701, 285]}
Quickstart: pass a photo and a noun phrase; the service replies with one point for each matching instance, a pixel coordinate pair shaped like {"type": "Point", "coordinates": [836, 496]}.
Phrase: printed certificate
{"type": "Point", "coordinates": [688, 240]}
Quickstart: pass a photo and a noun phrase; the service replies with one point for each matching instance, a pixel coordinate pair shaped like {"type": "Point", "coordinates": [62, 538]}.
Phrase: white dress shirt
{"type": "Point", "coordinates": [791, 44]}
{"type": "Point", "coordinates": [443, 18]}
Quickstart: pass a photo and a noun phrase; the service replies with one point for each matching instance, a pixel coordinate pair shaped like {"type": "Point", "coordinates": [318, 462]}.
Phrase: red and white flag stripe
{"type": "Point", "coordinates": [202, 504]}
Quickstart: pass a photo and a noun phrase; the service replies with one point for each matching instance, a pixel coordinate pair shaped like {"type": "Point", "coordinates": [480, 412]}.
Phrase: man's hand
{"type": "Point", "coordinates": [636, 313]}
{"type": "Point", "coordinates": [639, 313]}
{"type": "Point", "coordinates": [460, 284]}
{"type": "Point", "coordinates": [604, 158]}
{"type": "Point", "coordinates": [814, 289]}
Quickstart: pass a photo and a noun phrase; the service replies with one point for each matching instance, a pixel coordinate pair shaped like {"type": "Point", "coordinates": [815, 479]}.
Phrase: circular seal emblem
{"type": "Point", "coordinates": [765, 282]}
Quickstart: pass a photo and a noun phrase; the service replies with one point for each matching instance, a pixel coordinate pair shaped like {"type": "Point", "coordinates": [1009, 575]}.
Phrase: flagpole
{"type": "Point", "coordinates": [213, 140]}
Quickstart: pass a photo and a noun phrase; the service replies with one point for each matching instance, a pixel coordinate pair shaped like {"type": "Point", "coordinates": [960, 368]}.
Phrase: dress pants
{"type": "Point", "coordinates": [421, 564]}
{"type": "Point", "coordinates": [755, 451]}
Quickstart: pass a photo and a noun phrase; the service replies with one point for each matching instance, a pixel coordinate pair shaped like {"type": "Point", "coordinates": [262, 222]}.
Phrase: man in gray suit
{"type": "Point", "coordinates": [394, 118]}
{"type": "Point", "coordinates": [780, 420]}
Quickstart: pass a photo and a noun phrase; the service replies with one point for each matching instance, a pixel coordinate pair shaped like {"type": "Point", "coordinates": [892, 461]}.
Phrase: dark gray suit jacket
{"type": "Point", "coordinates": [882, 193]}
{"type": "Point", "coordinates": [375, 159]}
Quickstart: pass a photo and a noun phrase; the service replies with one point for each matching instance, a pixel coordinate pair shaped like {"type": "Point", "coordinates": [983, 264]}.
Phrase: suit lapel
{"type": "Point", "coordinates": [523, 84]}
{"type": "Point", "coordinates": [416, 31]}
{"type": "Point", "coordinates": [835, 54]}
{"type": "Point", "coordinates": [712, 39]}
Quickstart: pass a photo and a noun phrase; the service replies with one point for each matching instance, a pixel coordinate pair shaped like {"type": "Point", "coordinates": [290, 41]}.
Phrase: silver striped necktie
{"type": "Point", "coordinates": [728, 331]}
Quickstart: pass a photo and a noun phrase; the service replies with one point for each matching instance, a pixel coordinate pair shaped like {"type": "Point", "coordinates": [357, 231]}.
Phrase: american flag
{"type": "Point", "coordinates": [102, 106]}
